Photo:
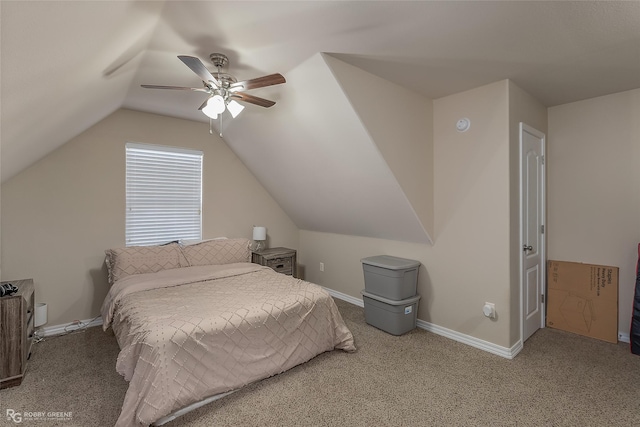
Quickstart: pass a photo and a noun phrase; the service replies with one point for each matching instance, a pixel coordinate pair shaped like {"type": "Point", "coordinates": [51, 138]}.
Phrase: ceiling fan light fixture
{"type": "Point", "coordinates": [215, 105]}
{"type": "Point", "coordinates": [234, 108]}
{"type": "Point", "coordinates": [223, 87]}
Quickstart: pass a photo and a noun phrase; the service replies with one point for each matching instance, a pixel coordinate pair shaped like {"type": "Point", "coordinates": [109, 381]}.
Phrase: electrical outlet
{"type": "Point", "coordinates": [322, 266]}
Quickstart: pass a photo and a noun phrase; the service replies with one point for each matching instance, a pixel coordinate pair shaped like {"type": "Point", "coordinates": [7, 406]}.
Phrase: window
{"type": "Point", "coordinates": [164, 194]}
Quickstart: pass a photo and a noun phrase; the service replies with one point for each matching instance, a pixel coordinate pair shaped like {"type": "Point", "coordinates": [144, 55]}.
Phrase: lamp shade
{"type": "Point", "coordinates": [215, 105]}
{"type": "Point", "coordinates": [234, 108]}
{"type": "Point", "coordinates": [259, 233]}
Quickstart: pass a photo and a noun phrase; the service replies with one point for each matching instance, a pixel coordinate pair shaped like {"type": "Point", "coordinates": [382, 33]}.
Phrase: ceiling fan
{"type": "Point", "coordinates": [224, 89]}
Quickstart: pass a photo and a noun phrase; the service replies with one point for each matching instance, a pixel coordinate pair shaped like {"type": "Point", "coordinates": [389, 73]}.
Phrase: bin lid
{"type": "Point", "coordinates": [405, 301]}
{"type": "Point", "coordinates": [390, 262]}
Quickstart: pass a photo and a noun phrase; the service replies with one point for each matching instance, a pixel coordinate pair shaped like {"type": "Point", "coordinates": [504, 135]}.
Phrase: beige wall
{"type": "Point", "coordinates": [468, 263]}
{"type": "Point", "coordinates": [59, 215]}
{"type": "Point", "coordinates": [522, 108]}
{"type": "Point", "coordinates": [0, 227]}
{"type": "Point", "coordinates": [593, 176]}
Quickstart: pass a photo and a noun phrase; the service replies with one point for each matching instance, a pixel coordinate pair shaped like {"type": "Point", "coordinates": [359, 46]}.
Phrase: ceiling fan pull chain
{"type": "Point", "coordinates": [220, 125]}
{"type": "Point", "coordinates": [210, 126]}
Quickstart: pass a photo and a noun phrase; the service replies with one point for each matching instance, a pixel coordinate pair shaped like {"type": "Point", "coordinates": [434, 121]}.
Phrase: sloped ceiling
{"type": "Point", "coordinates": [67, 65]}
{"type": "Point", "coordinates": [317, 159]}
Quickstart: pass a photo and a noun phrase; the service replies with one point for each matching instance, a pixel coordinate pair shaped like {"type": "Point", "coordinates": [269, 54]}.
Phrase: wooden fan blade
{"type": "Point", "coordinates": [270, 80]}
{"type": "Point", "coordinates": [195, 89]}
{"type": "Point", "coordinates": [198, 67]}
{"type": "Point", "coordinates": [252, 99]}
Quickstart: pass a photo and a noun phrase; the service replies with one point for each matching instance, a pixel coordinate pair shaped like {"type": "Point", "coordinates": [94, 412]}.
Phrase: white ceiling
{"type": "Point", "coordinates": [65, 65]}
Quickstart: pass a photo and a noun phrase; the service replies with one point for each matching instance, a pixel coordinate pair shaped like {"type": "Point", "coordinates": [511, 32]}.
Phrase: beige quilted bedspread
{"type": "Point", "coordinates": [189, 333]}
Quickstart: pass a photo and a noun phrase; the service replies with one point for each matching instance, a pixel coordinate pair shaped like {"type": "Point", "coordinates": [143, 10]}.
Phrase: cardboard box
{"type": "Point", "coordinates": [583, 299]}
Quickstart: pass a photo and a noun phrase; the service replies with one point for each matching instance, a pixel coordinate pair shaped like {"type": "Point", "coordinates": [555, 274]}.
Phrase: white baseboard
{"type": "Point", "coordinates": [623, 337]}
{"type": "Point", "coordinates": [49, 331]}
{"type": "Point", "coordinates": [487, 346]}
{"type": "Point", "coordinates": [508, 353]}
{"type": "Point", "coordinates": [345, 297]}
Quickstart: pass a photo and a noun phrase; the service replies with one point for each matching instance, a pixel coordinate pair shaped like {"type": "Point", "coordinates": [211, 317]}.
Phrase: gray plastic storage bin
{"type": "Point", "coordinates": [394, 317]}
{"type": "Point", "coordinates": [390, 277]}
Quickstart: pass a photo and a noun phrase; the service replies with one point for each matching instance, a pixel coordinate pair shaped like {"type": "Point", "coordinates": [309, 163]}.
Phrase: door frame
{"type": "Point", "coordinates": [543, 238]}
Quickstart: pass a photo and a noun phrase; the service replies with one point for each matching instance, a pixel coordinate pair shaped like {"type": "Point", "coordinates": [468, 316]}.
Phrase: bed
{"type": "Point", "coordinates": [198, 321]}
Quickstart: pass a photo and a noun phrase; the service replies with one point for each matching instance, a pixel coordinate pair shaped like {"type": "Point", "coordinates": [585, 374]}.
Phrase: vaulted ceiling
{"type": "Point", "coordinates": [65, 65]}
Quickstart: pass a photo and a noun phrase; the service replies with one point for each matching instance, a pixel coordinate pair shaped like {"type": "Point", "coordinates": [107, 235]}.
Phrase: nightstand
{"type": "Point", "coordinates": [282, 260]}
{"type": "Point", "coordinates": [17, 318]}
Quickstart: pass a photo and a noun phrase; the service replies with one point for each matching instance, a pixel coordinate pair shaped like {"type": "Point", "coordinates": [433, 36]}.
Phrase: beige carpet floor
{"type": "Point", "coordinates": [418, 379]}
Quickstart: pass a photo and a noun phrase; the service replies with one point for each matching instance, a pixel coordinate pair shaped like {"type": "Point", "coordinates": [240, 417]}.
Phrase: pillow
{"type": "Point", "coordinates": [217, 252]}
{"type": "Point", "coordinates": [123, 262]}
{"type": "Point", "coordinates": [195, 242]}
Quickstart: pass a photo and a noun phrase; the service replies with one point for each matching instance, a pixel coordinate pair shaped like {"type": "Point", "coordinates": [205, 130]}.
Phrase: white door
{"type": "Point", "coordinates": [532, 242]}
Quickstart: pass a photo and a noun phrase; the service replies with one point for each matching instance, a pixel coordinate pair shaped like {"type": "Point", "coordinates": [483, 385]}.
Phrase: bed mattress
{"type": "Point", "coordinates": [190, 333]}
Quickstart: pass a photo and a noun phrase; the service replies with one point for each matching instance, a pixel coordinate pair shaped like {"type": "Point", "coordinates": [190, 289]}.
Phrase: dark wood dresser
{"type": "Point", "coordinates": [282, 260]}
{"type": "Point", "coordinates": [17, 317]}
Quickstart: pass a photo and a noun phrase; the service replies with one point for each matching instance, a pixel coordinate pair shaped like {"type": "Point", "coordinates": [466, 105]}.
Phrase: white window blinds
{"type": "Point", "coordinates": [164, 194]}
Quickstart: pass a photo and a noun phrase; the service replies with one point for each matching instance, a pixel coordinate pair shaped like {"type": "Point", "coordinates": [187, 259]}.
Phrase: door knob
{"type": "Point", "coordinates": [527, 248]}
